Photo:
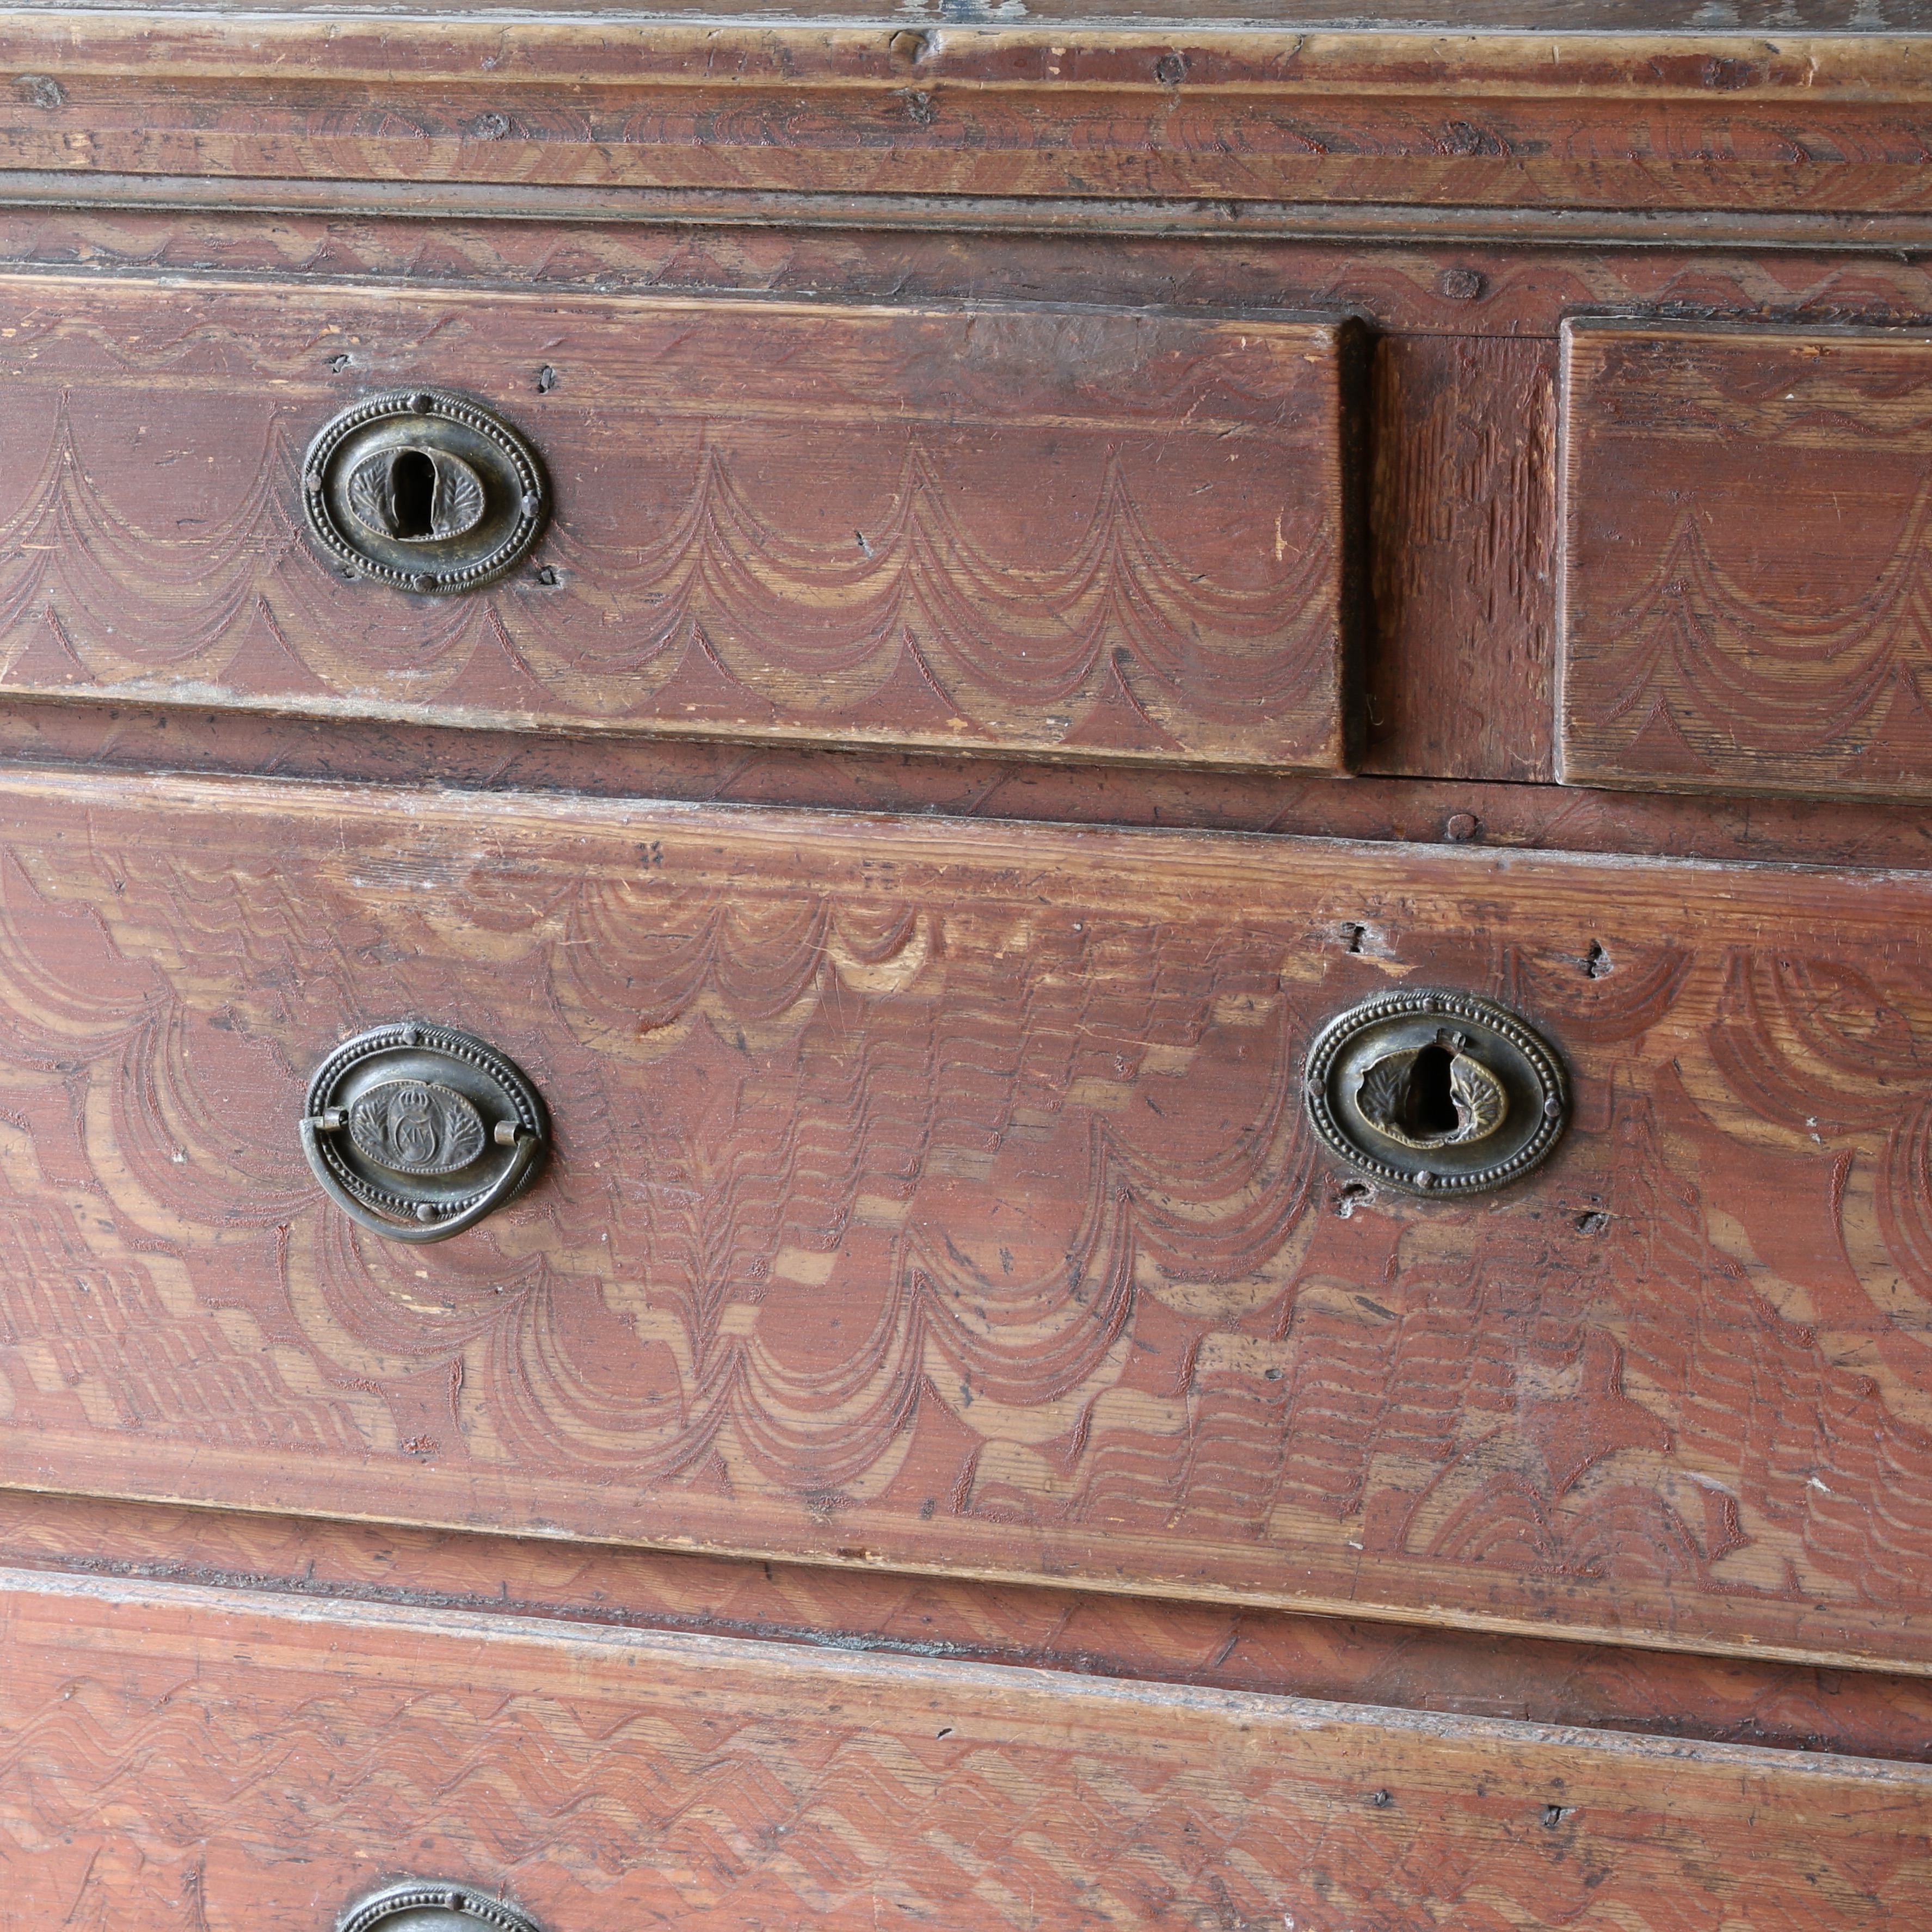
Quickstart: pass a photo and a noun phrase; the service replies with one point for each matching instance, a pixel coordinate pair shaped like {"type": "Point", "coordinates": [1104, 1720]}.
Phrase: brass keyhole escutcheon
{"type": "Point", "coordinates": [424, 490]}
{"type": "Point", "coordinates": [419, 1132]}
{"type": "Point", "coordinates": [433, 1905]}
{"type": "Point", "coordinates": [1437, 1092]}
{"type": "Point", "coordinates": [416, 495]}
{"type": "Point", "coordinates": [1435, 1095]}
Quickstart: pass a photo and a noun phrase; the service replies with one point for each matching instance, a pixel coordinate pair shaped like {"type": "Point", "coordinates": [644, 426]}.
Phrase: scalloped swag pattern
{"type": "Point", "coordinates": [960, 1205]}
{"type": "Point", "coordinates": [1041, 566]}
{"type": "Point", "coordinates": [1748, 581]}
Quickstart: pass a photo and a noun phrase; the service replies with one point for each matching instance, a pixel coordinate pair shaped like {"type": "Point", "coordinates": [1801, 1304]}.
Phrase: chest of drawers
{"type": "Point", "coordinates": [1188, 758]}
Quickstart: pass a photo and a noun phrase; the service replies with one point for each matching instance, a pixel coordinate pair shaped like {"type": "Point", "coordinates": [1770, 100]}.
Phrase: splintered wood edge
{"type": "Point", "coordinates": [788, 1672]}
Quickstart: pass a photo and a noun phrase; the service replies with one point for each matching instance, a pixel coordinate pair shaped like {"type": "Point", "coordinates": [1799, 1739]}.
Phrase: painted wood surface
{"type": "Point", "coordinates": [939, 1195]}
{"type": "Point", "coordinates": [1744, 577]}
{"type": "Point", "coordinates": [1458, 646]}
{"type": "Point", "coordinates": [177, 1758]}
{"type": "Point", "coordinates": [1089, 532]}
{"type": "Point", "coordinates": [1463, 507]}
{"type": "Point", "coordinates": [1217, 1646]}
{"type": "Point", "coordinates": [1544, 17]}
{"type": "Point", "coordinates": [922, 105]}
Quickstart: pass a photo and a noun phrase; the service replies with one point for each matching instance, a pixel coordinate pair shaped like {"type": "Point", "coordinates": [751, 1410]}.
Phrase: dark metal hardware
{"type": "Point", "coordinates": [420, 1131]}
{"type": "Point", "coordinates": [424, 490]}
{"type": "Point", "coordinates": [433, 1905]}
{"type": "Point", "coordinates": [1437, 1092]}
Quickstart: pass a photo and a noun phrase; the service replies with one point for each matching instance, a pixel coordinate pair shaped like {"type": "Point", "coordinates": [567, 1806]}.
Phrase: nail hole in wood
{"type": "Point", "coordinates": [1352, 1194]}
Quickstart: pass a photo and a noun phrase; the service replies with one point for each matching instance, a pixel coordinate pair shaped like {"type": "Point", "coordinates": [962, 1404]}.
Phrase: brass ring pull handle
{"type": "Point", "coordinates": [433, 1905]}
{"type": "Point", "coordinates": [425, 491]}
{"type": "Point", "coordinates": [419, 1132]}
{"type": "Point", "coordinates": [1437, 1092]}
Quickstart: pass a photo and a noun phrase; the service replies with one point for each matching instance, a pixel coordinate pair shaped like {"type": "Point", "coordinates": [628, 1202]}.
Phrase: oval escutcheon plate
{"type": "Point", "coordinates": [1437, 1092]}
{"type": "Point", "coordinates": [424, 490]}
{"type": "Point", "coordinates": [433, 1905]}
{"type": "Point", "coordinates": [419, 1131]}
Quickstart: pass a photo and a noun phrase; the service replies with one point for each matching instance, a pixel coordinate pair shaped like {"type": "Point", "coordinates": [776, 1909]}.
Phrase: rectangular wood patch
{"type": "Point", "coordinates": [1096, 533]}
{"type": "Point", "coordinates": [941, 1196]}
{"type": "Point", "coordinates": [1745, 575]}
{"type": "Point", "coordinates": [177, 1759]}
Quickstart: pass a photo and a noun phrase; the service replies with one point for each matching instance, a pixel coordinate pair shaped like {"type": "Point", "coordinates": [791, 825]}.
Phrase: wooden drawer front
{"type": "Point", "coordinates": [941, 1195]}
{"type": "Point", "coordinates": [1745, 599]}
{"type": "Point", "coordinates": [175, 1758]}
{"type": "Point", "coordinates": [1031, 528]}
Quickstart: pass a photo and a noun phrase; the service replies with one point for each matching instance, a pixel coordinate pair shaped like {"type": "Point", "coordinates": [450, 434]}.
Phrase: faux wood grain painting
{"type": "Point", "coordinates": [1037, 528]}
{"type": "Point", "coordinates": [941, 1195]}
{"type": "Point", "coordinates": [933, 105]}
{"type": "Point", "coordinates": [1745, 604]}
{"type": "Point", "coordinates": [248, 1764]}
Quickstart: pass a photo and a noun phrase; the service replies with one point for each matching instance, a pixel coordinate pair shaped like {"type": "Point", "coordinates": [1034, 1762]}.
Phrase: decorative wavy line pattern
{"type": "Point", "coordinates": [954, 1204]}
{"type": "Point", "coordinates": [1066, 530]}
{"type": "Point", "coordinates": [607, 1784]}
{"type": "Point", "coordinates": [1749, 594]}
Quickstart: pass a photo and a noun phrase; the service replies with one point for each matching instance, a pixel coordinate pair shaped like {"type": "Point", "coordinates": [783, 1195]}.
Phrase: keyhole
{"type": "Point", "coordinates": [413, 494]}
{"type": "Point", "coordinates": [1429, 1107]}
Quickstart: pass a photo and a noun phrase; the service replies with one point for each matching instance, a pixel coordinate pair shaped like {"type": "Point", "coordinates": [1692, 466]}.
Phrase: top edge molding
{"type": "Point", "coordinates": [718, 47]}
{"type": "Point", "coordinates": [1545, 20]}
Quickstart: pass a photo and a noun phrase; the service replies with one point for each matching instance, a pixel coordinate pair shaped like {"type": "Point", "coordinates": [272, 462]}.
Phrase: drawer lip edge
{"type": "Point", "coordinates": [1277, 1711]}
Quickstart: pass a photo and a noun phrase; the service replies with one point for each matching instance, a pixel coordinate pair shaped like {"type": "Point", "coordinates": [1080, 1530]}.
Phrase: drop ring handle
{"type": "Point", "coordinates": [419, 1132]}
{"type": "Point", "coordinates": [515, 1178]}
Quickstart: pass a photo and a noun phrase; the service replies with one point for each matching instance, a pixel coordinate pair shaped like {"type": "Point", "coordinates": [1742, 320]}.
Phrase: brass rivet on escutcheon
{"type": "Point", "coordinates": [1436, 1092]}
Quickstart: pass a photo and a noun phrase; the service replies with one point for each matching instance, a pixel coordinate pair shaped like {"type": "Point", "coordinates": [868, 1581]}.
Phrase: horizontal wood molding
{"type": "Point", "coordinates": [1227, 219]}
{"type": "Point", "coordinates": [612, 49]}
{"type": "Point", "coordinates": [167, 1747]}
{"type": "Point", "coordinates": [1834, 125]}
{"type": "Point", "coordinates": [58, 734]}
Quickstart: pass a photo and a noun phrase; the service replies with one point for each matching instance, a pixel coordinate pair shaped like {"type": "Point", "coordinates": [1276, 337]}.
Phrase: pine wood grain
{"type": "Point", "coordinates": [176, 1758]}
{"type": "Point", "coordinates": [1744, 526]}
{"type": "Point", "coordinates": [1544, 17]}
{"type": "Point", "coordinates": [937, 1195]}
{"type": "Point", "coordinates": [1462, 505]}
